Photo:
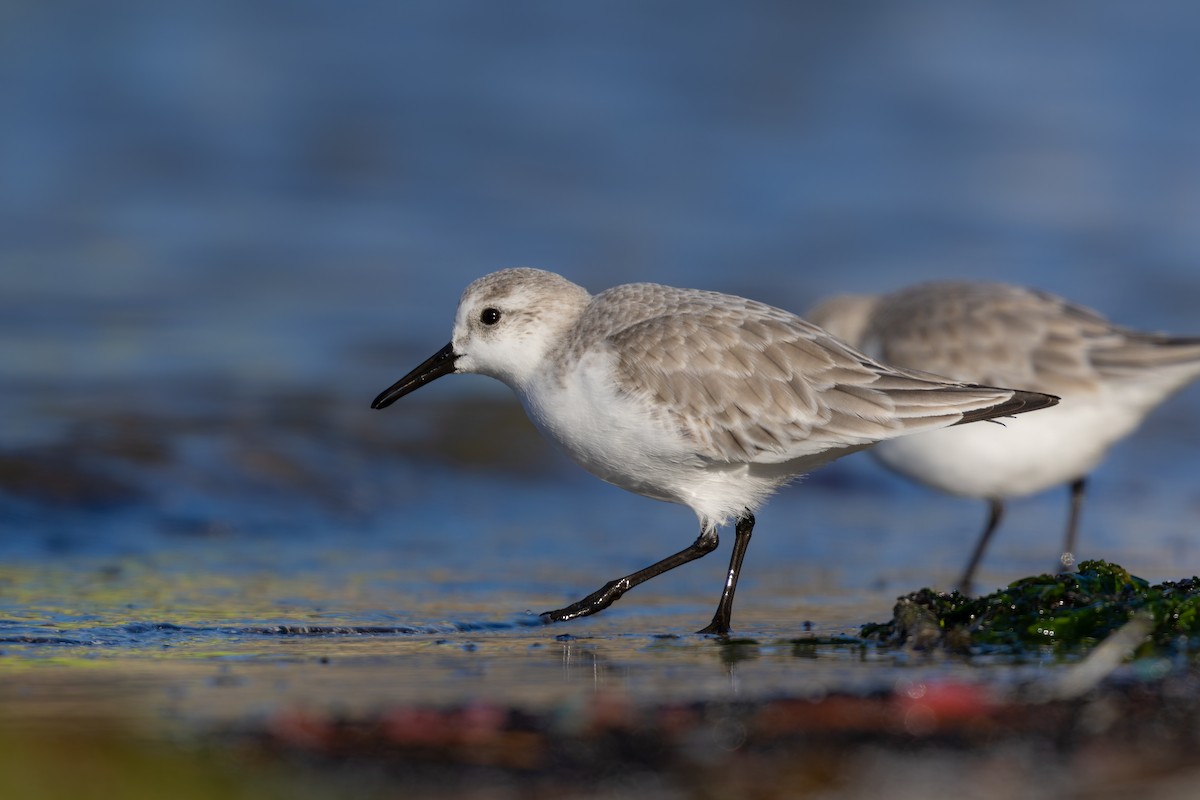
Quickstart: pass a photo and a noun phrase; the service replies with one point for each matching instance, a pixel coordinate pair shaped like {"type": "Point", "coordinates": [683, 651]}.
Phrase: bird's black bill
{"type": "Point", "coordinates": [439, 364]}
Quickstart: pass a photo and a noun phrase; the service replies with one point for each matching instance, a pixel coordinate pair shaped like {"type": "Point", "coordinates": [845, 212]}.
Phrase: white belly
{"type": "Point", "coordinates": [633, 445]}
{"type": "Point", "coordinates": [1016, 456]}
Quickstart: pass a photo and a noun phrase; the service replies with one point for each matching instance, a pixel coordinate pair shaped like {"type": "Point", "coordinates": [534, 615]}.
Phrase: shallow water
{"type": "Point", "coordinates": [224, 229]}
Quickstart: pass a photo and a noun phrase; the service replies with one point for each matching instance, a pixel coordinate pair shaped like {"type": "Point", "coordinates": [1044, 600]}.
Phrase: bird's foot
{"type": "Point", "coordinates": [598, 600]}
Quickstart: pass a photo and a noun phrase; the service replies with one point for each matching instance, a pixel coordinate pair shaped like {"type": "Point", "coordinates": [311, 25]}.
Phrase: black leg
{"type": "Point", "coordinates": [968, 577]}
{"type": "Point", "coordinates": [741, 542]}
{"type": "Point", "coordinates": [1066, 560]}
{"type": "Point", "coordinates": [610, 592]}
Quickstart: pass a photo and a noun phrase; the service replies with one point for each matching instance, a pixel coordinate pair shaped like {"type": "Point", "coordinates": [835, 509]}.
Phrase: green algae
{"type": "Point", "coordinates": [1068, 612]}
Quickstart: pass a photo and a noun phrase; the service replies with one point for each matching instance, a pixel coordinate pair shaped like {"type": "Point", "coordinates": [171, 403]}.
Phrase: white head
{"type": "Point", "coordinates": [507, 321]}
{"type": "Point", "coordinates": [506, 324]}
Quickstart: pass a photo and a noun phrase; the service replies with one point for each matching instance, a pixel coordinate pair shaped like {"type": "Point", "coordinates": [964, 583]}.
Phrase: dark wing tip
{"type": "Point", "coordinates": [1020, 402]}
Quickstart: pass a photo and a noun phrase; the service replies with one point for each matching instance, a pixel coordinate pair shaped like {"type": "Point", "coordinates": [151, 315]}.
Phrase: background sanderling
{"type": "Point", "coordinates": [1109, 379]}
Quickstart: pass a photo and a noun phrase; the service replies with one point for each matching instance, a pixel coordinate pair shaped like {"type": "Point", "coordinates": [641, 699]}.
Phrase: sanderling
{"type": "Point", "coordinates": [693, 397]}
{"type": "Point", "coordinates": [1108, 377]}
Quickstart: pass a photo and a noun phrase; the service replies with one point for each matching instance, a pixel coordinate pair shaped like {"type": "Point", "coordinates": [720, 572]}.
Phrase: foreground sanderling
{"type": "Point", "coordinates": [1109, 379]}
{"type": "Point", "coordinates": [693, 397]}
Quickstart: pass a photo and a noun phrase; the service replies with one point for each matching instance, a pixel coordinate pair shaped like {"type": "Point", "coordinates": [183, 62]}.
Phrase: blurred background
{"type": "Point", "coordinates": [226, 226]}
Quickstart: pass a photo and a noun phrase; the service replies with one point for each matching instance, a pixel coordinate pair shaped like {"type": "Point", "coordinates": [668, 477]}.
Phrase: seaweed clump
{"type": "Point", "coordinates": [1069, 611]}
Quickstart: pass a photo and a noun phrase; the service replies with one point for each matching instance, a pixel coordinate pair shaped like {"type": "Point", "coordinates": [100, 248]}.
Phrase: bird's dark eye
{"type": "Point", "coordinates": [490, 316]}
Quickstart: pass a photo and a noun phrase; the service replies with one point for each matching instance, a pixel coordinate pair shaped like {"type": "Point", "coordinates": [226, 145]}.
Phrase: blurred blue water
{"type": "Point", "coordinates": [209, 208]}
